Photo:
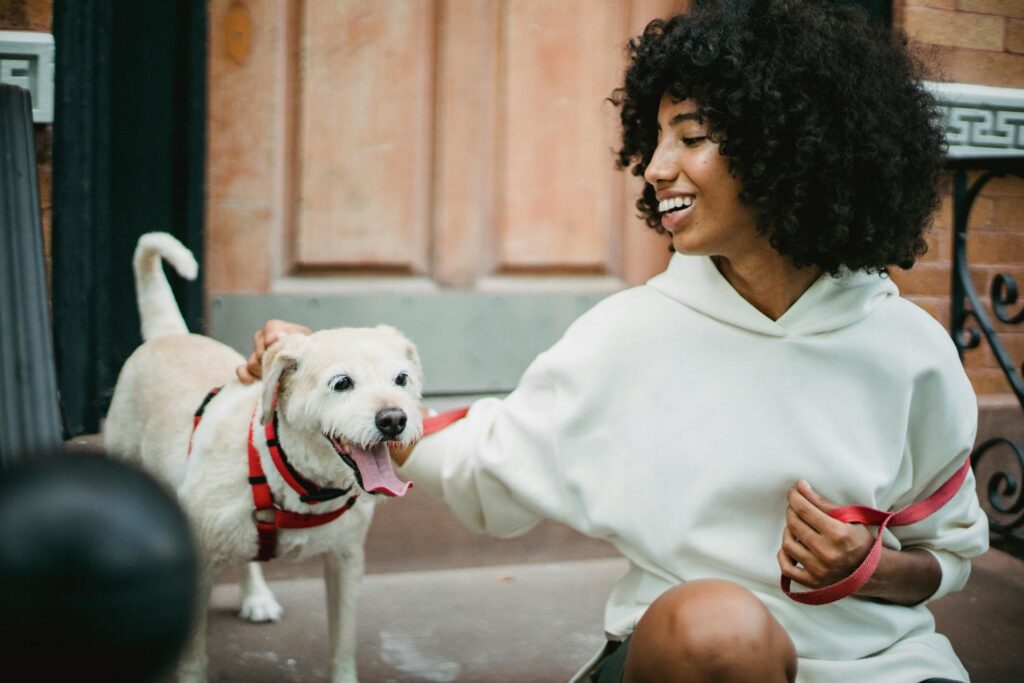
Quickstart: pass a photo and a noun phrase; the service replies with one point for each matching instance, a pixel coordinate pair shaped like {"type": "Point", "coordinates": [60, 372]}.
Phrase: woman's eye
{"type": "Point", "coordinates": [690, 142]}
{"type": "Point", "coordinates": [402, 379]}
{"type": "Point", "coordinates": [340, 383]}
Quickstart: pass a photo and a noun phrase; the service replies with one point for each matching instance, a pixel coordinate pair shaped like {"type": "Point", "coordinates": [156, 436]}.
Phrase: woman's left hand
{"type": "Point", "coordinates": [818, 550]}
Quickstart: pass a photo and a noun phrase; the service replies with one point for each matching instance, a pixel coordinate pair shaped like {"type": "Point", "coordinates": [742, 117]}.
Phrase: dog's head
{"type": "Point", "coordinates": [345, 393]}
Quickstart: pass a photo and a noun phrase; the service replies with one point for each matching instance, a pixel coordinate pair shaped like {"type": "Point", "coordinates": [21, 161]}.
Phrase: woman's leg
{"type": "Point", "coordinates": [709, 630]}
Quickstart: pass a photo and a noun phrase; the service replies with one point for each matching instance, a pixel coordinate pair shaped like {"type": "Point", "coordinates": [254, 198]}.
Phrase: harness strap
{"type": "Point", "coordinates": [308, 491]}
{"type": "Point", "coordinates": [199, 414]}
{"type": "Point", "coordinates": [860, 514]}
{"type": "Point", "coordinates": [269, 517]}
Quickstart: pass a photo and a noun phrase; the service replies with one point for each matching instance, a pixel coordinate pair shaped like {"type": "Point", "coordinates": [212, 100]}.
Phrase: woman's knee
{"type": "Point", "coordinates": [709, 630]}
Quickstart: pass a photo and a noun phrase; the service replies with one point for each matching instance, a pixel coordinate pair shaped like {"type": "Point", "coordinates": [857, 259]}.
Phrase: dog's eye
{"type": "Point", "coordinates": [402, 379]}
{"type": "Point", "coordinates": [340, 383]}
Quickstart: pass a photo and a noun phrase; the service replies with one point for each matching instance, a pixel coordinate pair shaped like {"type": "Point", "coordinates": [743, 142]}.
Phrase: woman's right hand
{"type": "Point", "coordinates": [273, 330]}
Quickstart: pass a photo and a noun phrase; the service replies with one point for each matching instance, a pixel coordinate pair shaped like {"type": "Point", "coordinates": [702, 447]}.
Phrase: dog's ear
{"type": "Point", "coordinates": [281, 359]}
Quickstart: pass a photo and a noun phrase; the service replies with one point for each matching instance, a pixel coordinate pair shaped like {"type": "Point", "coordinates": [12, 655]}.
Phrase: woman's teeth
{"type": "Point", "coordinates": [674, 203]}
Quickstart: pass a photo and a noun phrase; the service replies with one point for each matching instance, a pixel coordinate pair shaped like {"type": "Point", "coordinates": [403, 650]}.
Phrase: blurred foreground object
{"type": "Point", "coordinates": [98, 571]}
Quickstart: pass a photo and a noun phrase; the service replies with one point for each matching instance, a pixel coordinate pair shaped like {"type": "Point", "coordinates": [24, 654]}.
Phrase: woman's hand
{"type": "Point", "coordinates": [273, 330]}
{"type": "Point", "coordinates": [817, 550]}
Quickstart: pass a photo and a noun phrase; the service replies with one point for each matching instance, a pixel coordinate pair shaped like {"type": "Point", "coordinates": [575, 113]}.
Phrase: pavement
{"type": "Point", "coordinates": [440, 603]}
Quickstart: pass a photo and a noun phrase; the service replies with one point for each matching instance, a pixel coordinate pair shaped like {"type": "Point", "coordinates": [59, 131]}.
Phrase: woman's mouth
{"type": "Point", "coordinates": [674, 211]}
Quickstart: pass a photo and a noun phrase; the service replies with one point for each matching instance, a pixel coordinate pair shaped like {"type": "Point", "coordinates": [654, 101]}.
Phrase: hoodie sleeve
{"type": "Point", "coordinates": [942, 428]}
{"type": "Point", "coordinates": [497, 468]}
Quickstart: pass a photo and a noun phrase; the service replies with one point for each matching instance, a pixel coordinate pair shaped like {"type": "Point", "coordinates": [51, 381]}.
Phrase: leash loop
{"type": "Point", "coordinates": [861, 514]}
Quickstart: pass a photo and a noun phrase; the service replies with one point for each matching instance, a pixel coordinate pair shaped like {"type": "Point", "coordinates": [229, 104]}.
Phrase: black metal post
{"type": "Point", "coordinates": [29, 408]}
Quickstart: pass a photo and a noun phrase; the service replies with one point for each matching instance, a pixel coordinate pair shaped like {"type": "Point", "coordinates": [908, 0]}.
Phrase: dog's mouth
{"type": "Point", "coordinates": [372, 466]}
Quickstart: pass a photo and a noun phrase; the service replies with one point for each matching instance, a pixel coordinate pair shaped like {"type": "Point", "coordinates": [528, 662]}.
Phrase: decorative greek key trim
{"type": "Point", "coordinates": [981, 122]}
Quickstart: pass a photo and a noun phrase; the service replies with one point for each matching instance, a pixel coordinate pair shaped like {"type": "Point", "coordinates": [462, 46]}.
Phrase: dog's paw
{"type": "Point", "coordinates": [261, 606]}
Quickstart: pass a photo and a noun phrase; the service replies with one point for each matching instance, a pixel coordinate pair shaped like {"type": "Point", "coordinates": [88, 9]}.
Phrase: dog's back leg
{"type": "Point", "coordinates": [258, 602]}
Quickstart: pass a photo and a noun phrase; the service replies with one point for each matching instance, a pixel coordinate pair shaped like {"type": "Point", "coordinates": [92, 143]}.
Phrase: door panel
{"type": "Point", "coordinates": [559, 192]}
{"type": "Point", "coordinates": [365, 75]}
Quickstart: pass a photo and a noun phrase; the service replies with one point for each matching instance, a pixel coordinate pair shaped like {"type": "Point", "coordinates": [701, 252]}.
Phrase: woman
{"type": "Point", "coordinates": [706, 422]}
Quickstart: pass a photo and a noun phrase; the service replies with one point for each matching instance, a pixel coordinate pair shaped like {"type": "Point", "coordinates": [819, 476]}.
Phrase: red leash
{"type": "Point", "coordinates": [445, 419]}
{"type": "Point", "coordinates": [860, 514]}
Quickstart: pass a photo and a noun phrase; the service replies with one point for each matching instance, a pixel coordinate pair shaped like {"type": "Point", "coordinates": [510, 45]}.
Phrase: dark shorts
{"type": "Point", "coordinates": [613, 663]}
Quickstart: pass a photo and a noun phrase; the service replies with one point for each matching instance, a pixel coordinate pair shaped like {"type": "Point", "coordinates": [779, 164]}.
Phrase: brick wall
{"type": "Point", "coordinates": [982, 42]}
{"type": "Point", "coordinates": [35, 15]}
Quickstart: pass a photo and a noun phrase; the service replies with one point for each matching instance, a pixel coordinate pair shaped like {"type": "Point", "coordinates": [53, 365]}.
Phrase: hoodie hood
{"type": "Point", "coordinates": [829, 304]}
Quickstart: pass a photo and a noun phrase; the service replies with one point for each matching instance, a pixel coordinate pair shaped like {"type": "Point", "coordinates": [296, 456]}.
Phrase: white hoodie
{"type": "Point", "coordinates": [672, 418]}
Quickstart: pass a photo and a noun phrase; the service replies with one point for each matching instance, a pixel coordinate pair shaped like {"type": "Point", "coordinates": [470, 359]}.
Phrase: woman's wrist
{"type": "Point", "coordinates": [904, 577]}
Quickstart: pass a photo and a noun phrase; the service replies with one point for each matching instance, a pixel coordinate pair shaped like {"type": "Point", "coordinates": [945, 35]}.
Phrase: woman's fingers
{"type": "Point", "coordinates": [813, 516]}
{"type": "Point", "coordinates": [794, 572]}
{"type": "Point", "coordinates": [262, 338]}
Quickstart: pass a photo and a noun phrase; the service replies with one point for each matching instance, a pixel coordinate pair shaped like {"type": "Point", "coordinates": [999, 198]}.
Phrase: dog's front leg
{"type": "Point", "coordinates": [342, 574]}
{"type": "Point", "coordinates": [258, 602]}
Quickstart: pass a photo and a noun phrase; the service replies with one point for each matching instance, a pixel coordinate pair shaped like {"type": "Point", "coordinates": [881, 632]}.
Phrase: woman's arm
{"type": "Point", "coordinates": [818, 550]}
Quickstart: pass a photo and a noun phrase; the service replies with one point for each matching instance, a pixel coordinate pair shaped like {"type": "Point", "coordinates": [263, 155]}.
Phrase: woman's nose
{"type": "Point", "coordinates": [661, 167]}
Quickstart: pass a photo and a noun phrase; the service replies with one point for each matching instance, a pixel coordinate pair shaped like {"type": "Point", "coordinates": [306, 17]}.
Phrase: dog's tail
{"type": "Point", "coordinates": [157, 308]}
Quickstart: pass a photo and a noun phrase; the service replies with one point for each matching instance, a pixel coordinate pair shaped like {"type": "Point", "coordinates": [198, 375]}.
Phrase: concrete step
{"type": "Point", "coordinates": [531, 622]}
{"type": "Point", "coordinates": [525, 622]}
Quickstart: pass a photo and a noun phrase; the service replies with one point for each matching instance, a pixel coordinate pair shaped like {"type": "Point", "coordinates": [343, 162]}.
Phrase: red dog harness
{"type": "Point", "coordinates": [851, 514]}
{"type": "Point", "coordinates": [268, 516]}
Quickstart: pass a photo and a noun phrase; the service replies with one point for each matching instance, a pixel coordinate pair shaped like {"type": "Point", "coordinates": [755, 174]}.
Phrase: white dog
{"type": "Point", "coordinates": [280, 468]}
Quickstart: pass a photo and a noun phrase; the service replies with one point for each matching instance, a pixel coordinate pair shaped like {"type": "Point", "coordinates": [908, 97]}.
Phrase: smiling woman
{"type": "Point", "coordinates": [716, 424]}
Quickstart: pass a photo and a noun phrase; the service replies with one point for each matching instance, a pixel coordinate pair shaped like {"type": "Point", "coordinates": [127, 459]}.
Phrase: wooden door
{"type": "Point", "coordinates": [444, 166]}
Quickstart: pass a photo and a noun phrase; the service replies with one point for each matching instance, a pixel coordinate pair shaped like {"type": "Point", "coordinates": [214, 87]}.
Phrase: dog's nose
{"type": "Point", "coordinates": [391, 421]}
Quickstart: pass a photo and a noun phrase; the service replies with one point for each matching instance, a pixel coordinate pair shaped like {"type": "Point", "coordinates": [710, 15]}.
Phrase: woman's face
{"type": "Point", "coordinates": [698, 198]}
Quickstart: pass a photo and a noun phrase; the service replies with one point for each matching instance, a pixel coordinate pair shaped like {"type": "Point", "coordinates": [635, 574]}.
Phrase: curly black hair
{"type": "Point", "coordinates": [820, 112]}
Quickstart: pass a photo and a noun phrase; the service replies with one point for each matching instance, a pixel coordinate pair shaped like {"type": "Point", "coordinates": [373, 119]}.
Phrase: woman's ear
{"type": "Point", "coordinates": [279, 361]}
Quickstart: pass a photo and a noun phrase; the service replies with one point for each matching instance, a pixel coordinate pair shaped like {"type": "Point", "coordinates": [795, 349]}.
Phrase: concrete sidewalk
{"type": "Point", "coordinates": [531, 622]}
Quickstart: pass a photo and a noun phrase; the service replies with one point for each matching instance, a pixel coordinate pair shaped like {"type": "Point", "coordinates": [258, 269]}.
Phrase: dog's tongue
{"type": "Point", "coordinates": [376, 471]}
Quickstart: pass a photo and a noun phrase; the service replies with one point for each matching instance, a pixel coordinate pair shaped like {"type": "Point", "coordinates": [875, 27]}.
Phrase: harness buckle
{"type": "Point", "coordinates": [264, 516]}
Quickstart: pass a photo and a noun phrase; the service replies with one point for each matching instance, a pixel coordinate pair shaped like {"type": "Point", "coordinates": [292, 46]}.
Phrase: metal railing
{"type": "Point", "coordinates": [999, 476]}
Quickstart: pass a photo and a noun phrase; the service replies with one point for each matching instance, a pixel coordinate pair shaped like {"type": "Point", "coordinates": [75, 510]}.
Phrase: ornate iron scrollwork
{"type": "Point", "coordinates": [1005, 494]}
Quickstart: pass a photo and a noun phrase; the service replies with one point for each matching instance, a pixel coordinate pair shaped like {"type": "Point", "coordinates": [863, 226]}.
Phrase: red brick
{"type": "Point", "coordinates": [1013, 344]}
{"type": "Point", "coordinates": [925, 279]}
{"type": "Point", "coordinates": [980, 217]}
{"type": "Point", "coordinates": [988, 381]}
{"type": "Point", "coordinates": [1006, 8]}
{"type": "Point", "coordinates": [1003, 186]}
{"type": "Point", "coordinates": [982, 67]}
{"type": "Point", "coordinates": [956, 29]}
{"type": "Point", "coordinates": [1015, 35]}
{"type": "Point", "coordinates": [938, 247]}
{"type": "Point", "coordinates": [995, 247]}
{"type": "Point", "coordinates": [1008, 213]}
{"type": "Point", "coordinates": [26, 15]}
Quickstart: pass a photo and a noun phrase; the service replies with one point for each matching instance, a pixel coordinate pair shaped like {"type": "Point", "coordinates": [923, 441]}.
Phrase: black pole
{"type": "Point", "coordinates": [29, 408]}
